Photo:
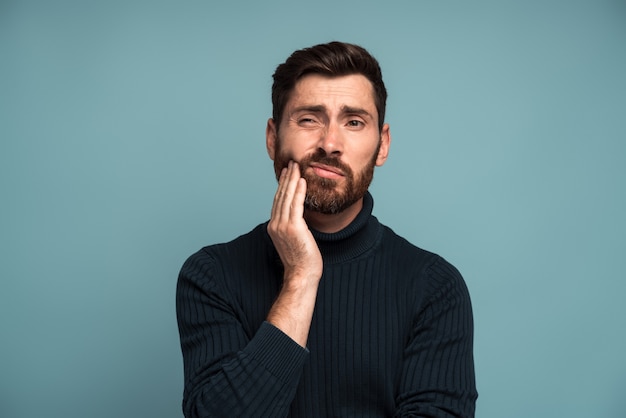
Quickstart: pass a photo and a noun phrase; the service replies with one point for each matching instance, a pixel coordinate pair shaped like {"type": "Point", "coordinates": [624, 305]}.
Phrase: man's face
{"type": "Point", "coordinates": [330, 127]}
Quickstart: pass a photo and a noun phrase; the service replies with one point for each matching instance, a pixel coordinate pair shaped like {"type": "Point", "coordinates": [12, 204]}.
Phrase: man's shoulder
{"type": "Point", "coordinates": [247, 251]}
{"type": "Point", "coordinates": [236, 248]}
{"type": "Point", "coordinates": [399, 243]}
{"type": "Point", "coordinates": [414, 254]}
{"type": "Point", "coordinates": [255, 237]}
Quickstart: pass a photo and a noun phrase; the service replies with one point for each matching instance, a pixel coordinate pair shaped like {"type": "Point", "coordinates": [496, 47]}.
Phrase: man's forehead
{"type": "Point", "coordinates": [349, 91]}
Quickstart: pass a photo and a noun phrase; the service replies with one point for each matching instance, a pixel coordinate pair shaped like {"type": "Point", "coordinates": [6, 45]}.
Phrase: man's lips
{"type": "Point", "coordinates": [326, 171]}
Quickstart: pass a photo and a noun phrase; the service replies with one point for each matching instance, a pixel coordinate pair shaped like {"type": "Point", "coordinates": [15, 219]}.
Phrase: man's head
{"type": "Point", "coordinates": [329, 105]}
{"type": "Point", "coordinates": [333, 59]}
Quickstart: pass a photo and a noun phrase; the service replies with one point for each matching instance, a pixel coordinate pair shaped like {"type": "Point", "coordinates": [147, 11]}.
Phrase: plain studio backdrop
{"type": "Point", "coordinates": [132, 134]}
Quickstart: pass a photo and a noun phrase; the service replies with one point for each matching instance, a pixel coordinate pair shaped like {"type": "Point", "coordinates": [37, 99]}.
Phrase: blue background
{"type": "Point", "coordinates": [132, 134]}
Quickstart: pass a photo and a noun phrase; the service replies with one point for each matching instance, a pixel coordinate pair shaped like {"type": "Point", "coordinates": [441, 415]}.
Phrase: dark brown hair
{"type": "Point", "coordinates": [333, 59]}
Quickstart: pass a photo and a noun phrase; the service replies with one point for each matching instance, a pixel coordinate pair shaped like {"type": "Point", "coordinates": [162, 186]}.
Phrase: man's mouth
{"type": "Point", "coordinates": [326, 171]}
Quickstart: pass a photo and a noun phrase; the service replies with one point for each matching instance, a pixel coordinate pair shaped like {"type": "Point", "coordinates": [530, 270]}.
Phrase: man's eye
{"type": "Point", "coordinates": [306, 121]}
{"type": "Point", "coordinates": [355, 123]}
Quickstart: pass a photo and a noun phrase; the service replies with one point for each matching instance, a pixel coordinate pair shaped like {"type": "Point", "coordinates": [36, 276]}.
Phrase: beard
{"type": "Point", "coordinates": [322, 194]}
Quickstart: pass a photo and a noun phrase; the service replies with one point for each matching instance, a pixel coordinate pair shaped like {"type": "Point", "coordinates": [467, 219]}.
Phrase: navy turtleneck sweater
{"type": "Point", "coordinates": [391, 333]}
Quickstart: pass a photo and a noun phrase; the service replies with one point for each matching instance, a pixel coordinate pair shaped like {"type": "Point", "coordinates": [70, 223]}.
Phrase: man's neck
{"type": "Point", "coordinates": [333, 223]}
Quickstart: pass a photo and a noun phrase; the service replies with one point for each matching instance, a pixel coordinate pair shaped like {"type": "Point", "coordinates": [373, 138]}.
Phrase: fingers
{"type": "Point", "coordinates": [297, 210]}
{"type": "Point", "coordinates": [279, 193]}
{"type": "Point", "coordinates": [289, 198]}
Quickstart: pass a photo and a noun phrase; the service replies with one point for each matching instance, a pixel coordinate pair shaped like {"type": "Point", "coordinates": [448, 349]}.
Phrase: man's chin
{"type": "Point", "coordinates": [323, 209]}
{"type": "Point", "coordinates": [328, 203]}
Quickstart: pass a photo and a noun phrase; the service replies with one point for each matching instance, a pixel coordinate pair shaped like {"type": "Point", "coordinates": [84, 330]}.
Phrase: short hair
{"type": "Point", "coordinates": [332, 59]}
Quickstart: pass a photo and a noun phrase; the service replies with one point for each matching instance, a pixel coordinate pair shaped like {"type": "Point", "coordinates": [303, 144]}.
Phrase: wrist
{"type": "Point", "coordinates": [297, 282]}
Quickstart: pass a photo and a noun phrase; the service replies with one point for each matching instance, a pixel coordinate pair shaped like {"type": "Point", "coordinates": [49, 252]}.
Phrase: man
{"type": "Point", "coordinates": [323, 311]}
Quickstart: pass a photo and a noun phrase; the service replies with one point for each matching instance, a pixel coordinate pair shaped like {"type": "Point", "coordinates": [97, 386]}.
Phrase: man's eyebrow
{"type": "Point", "coordinates": [355, 111]}
{"type": "Point", "coordinates": [310, 108]}
{"type": "Point", "coordinates": [347, 110]}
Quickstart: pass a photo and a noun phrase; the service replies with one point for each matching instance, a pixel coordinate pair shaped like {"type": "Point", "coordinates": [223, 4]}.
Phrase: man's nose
{"type": "Point", "coordinates": [331, 141]}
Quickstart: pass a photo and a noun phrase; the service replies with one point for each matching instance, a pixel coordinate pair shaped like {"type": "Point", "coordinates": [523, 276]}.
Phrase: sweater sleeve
{"type": "Point", "coordinates": [437, 377]}
{"type": "Point", "coordinates": [227, 373]}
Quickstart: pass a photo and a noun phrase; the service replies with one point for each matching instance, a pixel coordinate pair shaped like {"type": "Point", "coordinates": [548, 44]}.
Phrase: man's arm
{"type": "Point", "coordinates": [438, 370]}
{"type": "Point", "coordinates": [226, 372]}
{"type": "Point", "coordinates": [293, 309]}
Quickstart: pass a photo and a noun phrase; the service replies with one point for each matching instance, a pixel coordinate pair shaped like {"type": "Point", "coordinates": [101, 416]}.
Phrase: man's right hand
{"type": "Point", "coordinates": [293, 309]}
{"type": "Point", "coordinates": [289, 232]}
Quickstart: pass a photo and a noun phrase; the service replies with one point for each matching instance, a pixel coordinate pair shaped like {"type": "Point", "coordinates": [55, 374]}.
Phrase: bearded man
{"type": "Point", "coordinates": [323, 311]}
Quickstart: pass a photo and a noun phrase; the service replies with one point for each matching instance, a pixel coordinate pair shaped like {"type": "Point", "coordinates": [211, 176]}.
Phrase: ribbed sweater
{"type": "Point", "coordinates": [391, 333]}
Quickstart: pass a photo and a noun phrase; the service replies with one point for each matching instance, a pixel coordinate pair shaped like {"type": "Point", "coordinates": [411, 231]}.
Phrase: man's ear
{"type": "Point", "coordinates": [270, 138]}
{"type": "Point", "coordinates": [385, 142]}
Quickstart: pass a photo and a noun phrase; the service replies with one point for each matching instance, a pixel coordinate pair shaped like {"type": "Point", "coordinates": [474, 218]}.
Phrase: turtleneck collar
{"type": "Point", "coordinates": [352, 241]}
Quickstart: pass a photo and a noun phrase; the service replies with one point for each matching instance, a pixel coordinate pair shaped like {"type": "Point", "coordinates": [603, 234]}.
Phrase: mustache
{"type": "Point", "coordinates": [321, 157]}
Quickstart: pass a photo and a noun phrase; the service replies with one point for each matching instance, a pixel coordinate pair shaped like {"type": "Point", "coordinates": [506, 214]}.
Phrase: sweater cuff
{"type": "Point", "coordinates": [278, 353]}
